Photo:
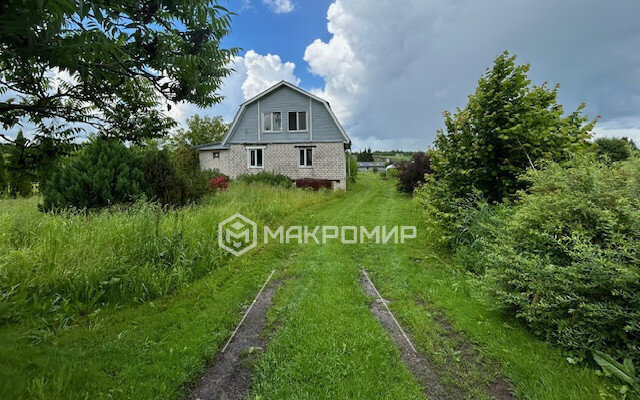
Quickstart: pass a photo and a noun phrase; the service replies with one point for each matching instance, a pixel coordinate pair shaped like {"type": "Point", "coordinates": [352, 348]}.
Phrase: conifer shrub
{"type": "Point", "coordinates": [103, 173]}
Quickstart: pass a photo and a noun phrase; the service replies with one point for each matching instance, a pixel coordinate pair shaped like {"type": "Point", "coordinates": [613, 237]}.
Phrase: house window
{"type": "Point", "coordinates": [216, 154]}
{"type": "Point", "coordinates": [255, 157]}
{"type": "Point", "coordinates": [298, 121]}
{"type": "Point", "coordinates": [306, 157]}
{"type": "Point", "coordinates": [272, 121]}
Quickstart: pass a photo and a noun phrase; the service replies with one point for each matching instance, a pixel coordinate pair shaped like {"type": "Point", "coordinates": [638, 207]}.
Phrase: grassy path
{"type": "Point", "coordinates": [325, 341]}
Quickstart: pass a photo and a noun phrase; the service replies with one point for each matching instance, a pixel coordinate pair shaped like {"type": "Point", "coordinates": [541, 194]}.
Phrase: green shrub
{"type": "Point", "coordinates": [352, 167]}
{"type": "Point", "coordinates": [267, 178]}
{"type": "Point", "coordinates": [103, 173]}
{"type": "Point", "coordinates": [209, 174]}
{"type": "Point", "coordinates": [507, 127]}
{"type": "Point", "coordinates": [4, 179]}
{"type": "Point", "coordinates": [187, 162]}
{"type": "Point", "coordinates": [20, 176]}
{"type": "Point", "coordinates": [162, 181]}
{"type": "Point", "coordinates": [614, 149]}
{"type": "Point", "coordinates": [566, 258]}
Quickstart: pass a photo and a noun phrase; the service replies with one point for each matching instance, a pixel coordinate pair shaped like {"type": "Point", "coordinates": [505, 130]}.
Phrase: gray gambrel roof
{"type": "Point", "coordinates": [224, 144]}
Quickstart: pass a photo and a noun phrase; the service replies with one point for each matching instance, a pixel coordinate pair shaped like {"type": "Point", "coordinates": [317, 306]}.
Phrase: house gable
{"type": "Point", "coordinates": [322, 125]}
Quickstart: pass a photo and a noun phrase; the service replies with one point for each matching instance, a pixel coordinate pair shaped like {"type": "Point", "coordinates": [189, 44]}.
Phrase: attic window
{"type": "Point", "coordinates": [298, 121]}
{"type": "Point", "coordinates": [272, 121]}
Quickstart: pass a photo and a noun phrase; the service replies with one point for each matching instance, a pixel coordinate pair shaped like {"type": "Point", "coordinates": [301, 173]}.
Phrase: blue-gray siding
{"type": "Point", "coordinates": [321, 127]}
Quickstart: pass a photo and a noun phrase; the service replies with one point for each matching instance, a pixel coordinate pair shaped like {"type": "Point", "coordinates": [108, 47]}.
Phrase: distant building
{"type": "Point", "coordinates": [369, 166]}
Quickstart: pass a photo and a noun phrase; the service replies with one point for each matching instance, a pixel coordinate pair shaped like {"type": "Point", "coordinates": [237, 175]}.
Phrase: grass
{"type": "Point", "coordinates": [325, 342]}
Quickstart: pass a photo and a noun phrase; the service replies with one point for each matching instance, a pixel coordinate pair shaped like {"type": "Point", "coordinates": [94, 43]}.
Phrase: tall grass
{"type": "Point", "coordinates": [68, 265]}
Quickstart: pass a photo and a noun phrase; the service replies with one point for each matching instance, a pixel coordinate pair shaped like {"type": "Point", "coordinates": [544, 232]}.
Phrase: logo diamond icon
{"type": "Point", "coordinates": [237, 234]}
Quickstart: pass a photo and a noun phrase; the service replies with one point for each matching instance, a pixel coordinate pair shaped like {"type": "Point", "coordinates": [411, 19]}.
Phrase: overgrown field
{"type": "Point", "coordinates": [65, 266]}
{"type": "Point", "coordinates": [139, 343]}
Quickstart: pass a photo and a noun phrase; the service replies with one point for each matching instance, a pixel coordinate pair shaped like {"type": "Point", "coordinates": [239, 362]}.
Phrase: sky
{"type": "Point", "coordinates": [390, 68]}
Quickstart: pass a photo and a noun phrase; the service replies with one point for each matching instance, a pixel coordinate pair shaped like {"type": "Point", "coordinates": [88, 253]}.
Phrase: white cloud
{"type": "Point", "coordinates": [391, 69]}
{"type": "Point", "coordinates": [279, 6]}
{"type": "Point", "coordinates": [252, 74]}
{"type": "Point", "coordinates": [264, 72]}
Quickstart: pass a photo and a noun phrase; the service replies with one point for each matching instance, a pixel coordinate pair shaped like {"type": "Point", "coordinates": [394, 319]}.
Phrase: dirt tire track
{"type": "Point", "coordinates": [420, 366]}
{"type": "Point", "coordinates": [229, 377]}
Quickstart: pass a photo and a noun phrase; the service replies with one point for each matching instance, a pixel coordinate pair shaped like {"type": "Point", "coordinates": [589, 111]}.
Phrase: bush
{"type": "Point", "coordinates": [187, 162]}
{"type": "Point", "coordinates": [210, 174]}
{"type": "Point", "coordinates": [219, 183]}
{"type": "Point", "coordinates": [315, 184]}
{"type": "Point", "coordinates": [352, 167]}
{"type": "Point", "coordinates": [4, 179]}
{"type": "Point", "coordinates": [566, 258]}
{"type": "Point", "coordinates": [20, 176]}
{"type": "Point", "coordinates": [163, 183]}
{"type": "Point", "coordinates": [267, 178]}
{"type": "Point", "coordinates": [614, 149]}
{"type": "Point", "coordinates": [103, 173]}
{"type": "Point", "coordinates": [413, 173]}
{"type": "Point", "coordinates": [507, 127]}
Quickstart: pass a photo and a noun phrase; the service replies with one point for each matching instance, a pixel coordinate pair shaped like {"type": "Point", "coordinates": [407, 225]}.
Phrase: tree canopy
{"type": "Point", "coordinates": [66, 64]}
{"type": "Point", "coordinates": [201, 130]}
{"type": "Point", "coordinates": [508, 126]}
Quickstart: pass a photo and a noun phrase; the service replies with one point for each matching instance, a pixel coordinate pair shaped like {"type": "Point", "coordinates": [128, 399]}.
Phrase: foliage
{"type": "Point", "coordinates": [20, 176]}
{"type": "Point", "coordinates": [4, 178]}
{"type": "Point", "coordinates": [187, 162]}
{"type": "Point", "coordinates": [352, 167]}
{"type": "Point", "coordinates": [210, 174]}
{"type": "Point", "coordinates": [268, 178]}
{"type": "Point", "coordinates": [365, 156]}
{"type": "Point", "coordinates": [219, 183]}
{"type": "Point", "coordinates": [614, 149]}
{"type": "Point", "coordinates": [103, 173]}
{"type": "Point", "coordinates": [315, 184]}
{"type": "Point", "coordinates": [507, 127]}
{"type": "Point", "coordinates": [565, 259]}
{"type": "Point", "coordinates": [624, 372]}
{"type": "Point", "coordinates": [201, 130]}
{"type": "Point", "coordinates": [163, 183]}
{"type": "Point", "coordinates": [66, 64]}
{"type": "Point", "coordinates": [412, 174]}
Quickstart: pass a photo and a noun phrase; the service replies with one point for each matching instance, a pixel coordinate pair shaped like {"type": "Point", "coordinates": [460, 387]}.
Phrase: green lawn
{"type": "Point", "coordinates": [325, 343]}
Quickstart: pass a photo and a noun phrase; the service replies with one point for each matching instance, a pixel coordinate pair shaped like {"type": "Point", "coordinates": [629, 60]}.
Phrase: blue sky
{"type": "Point", "coordinates": [389, 68]}
{"type": "Point", "coordinates": [256, 27]}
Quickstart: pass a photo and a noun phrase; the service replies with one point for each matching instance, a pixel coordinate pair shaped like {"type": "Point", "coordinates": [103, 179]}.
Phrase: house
{"type": "Point", "coordinates": [370, 166]}
{"type": "Point", "coordinates": [284, 130]}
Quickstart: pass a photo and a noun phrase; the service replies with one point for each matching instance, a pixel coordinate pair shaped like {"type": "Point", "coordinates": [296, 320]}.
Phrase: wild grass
{"type": "Point", "coordinates": [65, 265]}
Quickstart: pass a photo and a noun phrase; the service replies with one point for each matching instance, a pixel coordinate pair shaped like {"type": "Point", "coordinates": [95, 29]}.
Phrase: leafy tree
{"type": "Point", "coordinates": [412, 173]}
{"type": "Point", "coordinates": [103, 173]}
{"type": "Point", "coordinates": [68, 64]}
{"type": "Point", "coordinates": [352, 167]}
{"type": "Point", "coordinates": [365, 156]}
{"type": "Point", "coordinates": [507, 127]}
{"type": "Point", "coordinates": [4, 180]}
{"type": "Point", "coordinates": [20, 176]}
{"type": "Point", "coordinates": [201, 130]}
{"type": "Point", "coordinates": [614, 149]}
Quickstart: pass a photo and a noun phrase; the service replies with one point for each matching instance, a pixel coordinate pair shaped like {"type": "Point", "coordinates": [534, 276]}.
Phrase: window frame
{"type": "Point", "coordinates": [271, 113]}
{"type": "Point", "coordinates": [305, 156]}
{"type": "Point", "coordinates": [306, 121]}
{"type": "Point", "coordinates": [251, 149]}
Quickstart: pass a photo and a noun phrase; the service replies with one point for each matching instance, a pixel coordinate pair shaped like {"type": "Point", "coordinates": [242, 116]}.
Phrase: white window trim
{"type": "Point", "coordinates": [306, 117]}
{"type": "Point", "coordinates": [305, 157]}
{"type": "Point", "coordinates": [271, 113]}
{"type": "Point", "coordinates": [248, 149]}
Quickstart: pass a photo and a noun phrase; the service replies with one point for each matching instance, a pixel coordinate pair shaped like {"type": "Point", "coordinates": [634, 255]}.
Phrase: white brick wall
{"type": "Point", "coordinates": [328, 161]}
